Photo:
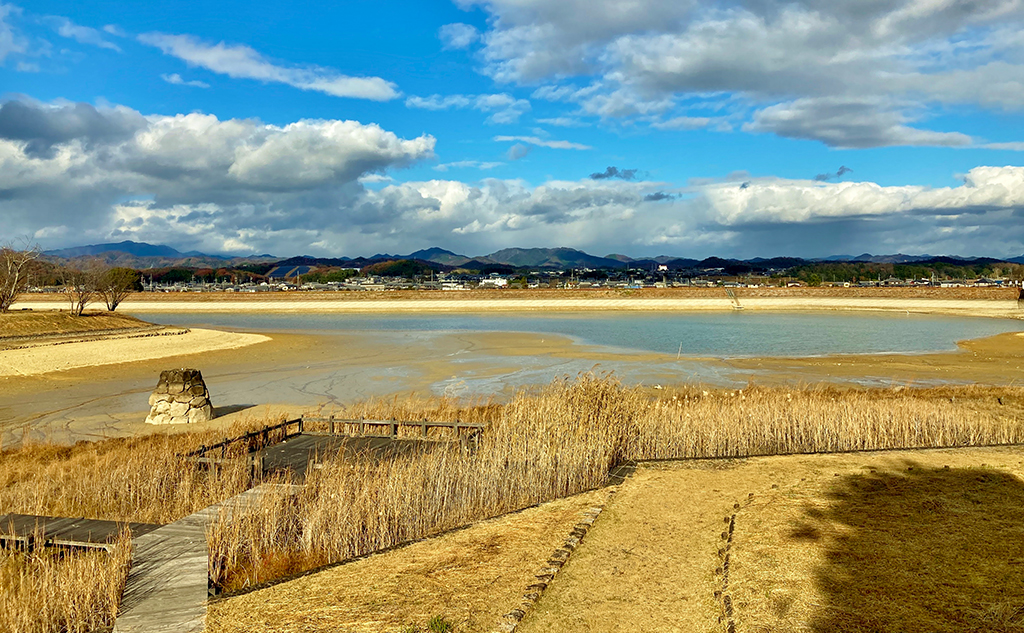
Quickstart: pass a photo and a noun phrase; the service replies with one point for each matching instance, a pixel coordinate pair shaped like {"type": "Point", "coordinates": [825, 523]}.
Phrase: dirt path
{"type": "Point", "coordinates": [890, 541]}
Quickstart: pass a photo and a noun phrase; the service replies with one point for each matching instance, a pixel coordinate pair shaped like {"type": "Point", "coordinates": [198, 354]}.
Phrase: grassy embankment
{"type": "Point", "coordinates": [53, 324]}
{"type": "Point", "coordinates": [541, 445]}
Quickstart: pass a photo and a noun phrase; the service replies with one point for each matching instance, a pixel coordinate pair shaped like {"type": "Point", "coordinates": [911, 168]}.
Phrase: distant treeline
{"type": "Point", "coordinates": [45, 272]}
{"type": "Point", "coordinates": [867, 271]}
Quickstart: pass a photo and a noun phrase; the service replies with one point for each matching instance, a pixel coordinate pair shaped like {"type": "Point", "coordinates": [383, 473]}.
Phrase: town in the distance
{"type": "Point", "coordinates": [165, 269]}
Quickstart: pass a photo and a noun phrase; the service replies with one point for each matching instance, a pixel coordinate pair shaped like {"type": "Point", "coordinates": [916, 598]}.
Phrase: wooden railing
{"type": "Point", "coordinates": [467, 433]}
{"type": "Point", "coordinates": [337, 425]}
{"type": "Point", "coordinates": [255, 440]}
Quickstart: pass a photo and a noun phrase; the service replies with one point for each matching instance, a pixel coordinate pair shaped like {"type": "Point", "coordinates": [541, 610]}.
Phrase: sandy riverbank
{"type": "Point", "coordinates": [100, 388]}
{"type": "Point", "coordinates": [43, 358]}
{"type": "Point", "coordinates": [995, 360]}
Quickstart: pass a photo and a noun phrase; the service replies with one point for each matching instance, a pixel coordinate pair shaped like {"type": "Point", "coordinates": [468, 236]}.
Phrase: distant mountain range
{"type": "Point", "coordinates": [139, 249]}
{"type": "Point", "coordinates": [143, 255]}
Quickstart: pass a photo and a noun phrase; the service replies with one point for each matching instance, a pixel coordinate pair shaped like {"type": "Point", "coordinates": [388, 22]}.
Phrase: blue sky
{"type": "Point", "coordinates": [744, 129]}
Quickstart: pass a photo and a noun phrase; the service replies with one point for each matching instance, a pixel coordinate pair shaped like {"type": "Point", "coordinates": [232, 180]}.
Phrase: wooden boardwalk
{"type": "Point", "coordinates": [168, 585]}
{"type": "Point", "coordinates": [299, 453]}
{"type": "Point", "coordinates": [27, 531]}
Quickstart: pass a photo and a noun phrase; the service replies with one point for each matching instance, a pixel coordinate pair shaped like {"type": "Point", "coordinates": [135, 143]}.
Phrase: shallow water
{"type": "Point", "coordinates": [426, 353]}
{"type": "Point", "coordinates": [716, 335]}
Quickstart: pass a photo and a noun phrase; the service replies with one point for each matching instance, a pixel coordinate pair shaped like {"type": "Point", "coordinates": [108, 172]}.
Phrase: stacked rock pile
{"type": "Point", "coordinates": [180, 397]}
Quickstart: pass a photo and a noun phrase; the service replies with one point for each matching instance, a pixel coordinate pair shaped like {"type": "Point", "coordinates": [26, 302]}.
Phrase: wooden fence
{"type": "Point", "coordinates": [248, 445]}
{"type": "Point", "coordinates": [337, 426]}
{"type": "Point", "coordinates": [254, 440]}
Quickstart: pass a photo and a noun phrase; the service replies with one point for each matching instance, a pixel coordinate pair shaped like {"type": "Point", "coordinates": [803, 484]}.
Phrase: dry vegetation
{"type": "Point", "coordinates": [924, 541]}
{"type": "Point", "coordinates": [470, 576]}
{"type": "Point", "coordinates": [541, 445]}
{"type": "Point", "coordinates": [142, 479]}
{"type": "Point", "coordinates": [62, 591]}
{"type": "Point", "coordinates": [51, 323]}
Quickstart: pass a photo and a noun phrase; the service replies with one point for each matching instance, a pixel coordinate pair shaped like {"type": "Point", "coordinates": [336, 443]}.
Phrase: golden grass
{"type": "Point", "coordinates": [472, 577]}
{"type": "Point", "coordinates": [62, 591]}
{"type": "Point", "coordinates": [895, 541]}
{"type": "Point", "coordinates": [898, 547]}
{"type": "Point", "coordinates": [565, 439]}
{"type": "Point", "coordinates": [140, 479]}
{"type": "Point", "coordinates": [61, 323]}
{"type": "Point", "coordinates": [541, 445]}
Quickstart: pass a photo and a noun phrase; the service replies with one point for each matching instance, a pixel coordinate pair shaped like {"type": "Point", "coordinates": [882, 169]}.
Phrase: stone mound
{"type": "Point", "coordinates": [180, 397]}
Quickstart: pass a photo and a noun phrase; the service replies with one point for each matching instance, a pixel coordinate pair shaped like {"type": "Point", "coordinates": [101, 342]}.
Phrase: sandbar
{"type": "Point", "coordinates": [56, 392]}
{"type": "Point", "coordinates": [994, 360]}
{"type": "Point", "coordinates": [999, 306]}
{"type": "Point", "coordinates": [45, 358]}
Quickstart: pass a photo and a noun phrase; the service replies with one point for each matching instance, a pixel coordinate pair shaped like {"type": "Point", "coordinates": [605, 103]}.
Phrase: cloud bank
{"type": "Point", "coordinates": [76, 173]}
{"type": "Point", "coordinates": [852, 74]}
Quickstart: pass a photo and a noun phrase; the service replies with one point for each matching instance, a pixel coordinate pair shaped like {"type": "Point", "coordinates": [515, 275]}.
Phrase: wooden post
{"type": "Point", "coordinates": [361, 426]}
{"type": "Point", "coordinates": [331, 422]}
{"type": "Point", "coordinates": [394, 428]}
{"type": "Point", "coordinates": [424, 427]}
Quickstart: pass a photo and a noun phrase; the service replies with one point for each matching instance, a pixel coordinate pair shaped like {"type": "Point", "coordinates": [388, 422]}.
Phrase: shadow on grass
{"type": "Point", "coordinates": [921, 550]}
{"type": "Point", "coordinates": [230, 408]}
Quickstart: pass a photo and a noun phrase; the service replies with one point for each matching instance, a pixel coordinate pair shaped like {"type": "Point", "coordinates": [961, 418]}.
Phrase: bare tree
{"type": "Point", "coordinates": [80, 283]}
{"type": "Point", "coordinates": [14, 266]}
{"type": "Point", "coordinates": [116, 284]}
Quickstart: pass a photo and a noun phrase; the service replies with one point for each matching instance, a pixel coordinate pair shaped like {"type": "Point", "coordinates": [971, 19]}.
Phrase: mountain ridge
{"type": "Point", "coordinates": [143, 254]}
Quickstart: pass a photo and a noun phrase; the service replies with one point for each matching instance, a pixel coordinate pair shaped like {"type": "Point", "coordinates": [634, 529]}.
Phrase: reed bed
{"type": "Point", "coordinates": [540, 445]}
{"type": "Point", "coordinates": [61, 591]}
{"type": "Point", "coordinates": [143, 479]}
{"type": "Point", "coordinates": [564, 440]}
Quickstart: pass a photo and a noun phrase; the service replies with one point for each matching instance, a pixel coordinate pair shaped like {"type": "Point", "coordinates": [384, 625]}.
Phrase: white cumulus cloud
{"type": "Point", "coordinates": [458, 35]}
{"type": "Point", "coordinates": [76, 173]}
{"type": "Point", "coordinates": [773, 65]}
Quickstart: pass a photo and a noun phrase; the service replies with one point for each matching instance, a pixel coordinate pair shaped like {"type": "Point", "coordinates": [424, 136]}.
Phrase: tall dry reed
{"type": "Point", "coordinates": [49, 591]}
{"type": "Point", "coordinates": [141, 479]}
{"type": "Point", "coordinates": [563, 440]}
{"type": "Point", "coordinates": [540, 445]}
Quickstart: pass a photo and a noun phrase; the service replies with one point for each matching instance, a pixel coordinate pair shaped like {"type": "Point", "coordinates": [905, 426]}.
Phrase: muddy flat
{"type": "Point", "coordinates": [887, 541]}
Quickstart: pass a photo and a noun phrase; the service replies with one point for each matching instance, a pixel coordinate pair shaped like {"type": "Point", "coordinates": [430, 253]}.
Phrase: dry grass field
{"type": "Point", "coordinates": [470, 577]}
{"type": "Point", "coordinates": [52, 323]}
{"type": "Point", "coordinates": [902, 541]}
{"type": "Point", "coordinates": [542, 445]}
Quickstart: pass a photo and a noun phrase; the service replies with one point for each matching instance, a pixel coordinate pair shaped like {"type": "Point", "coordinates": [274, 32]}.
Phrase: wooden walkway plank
{"type": "Point", "coordinates": [168, 584]}
{"type": "Point", "coordinates": [295, 454]}
{"type": "Point", "coordinates": [66, 531]}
